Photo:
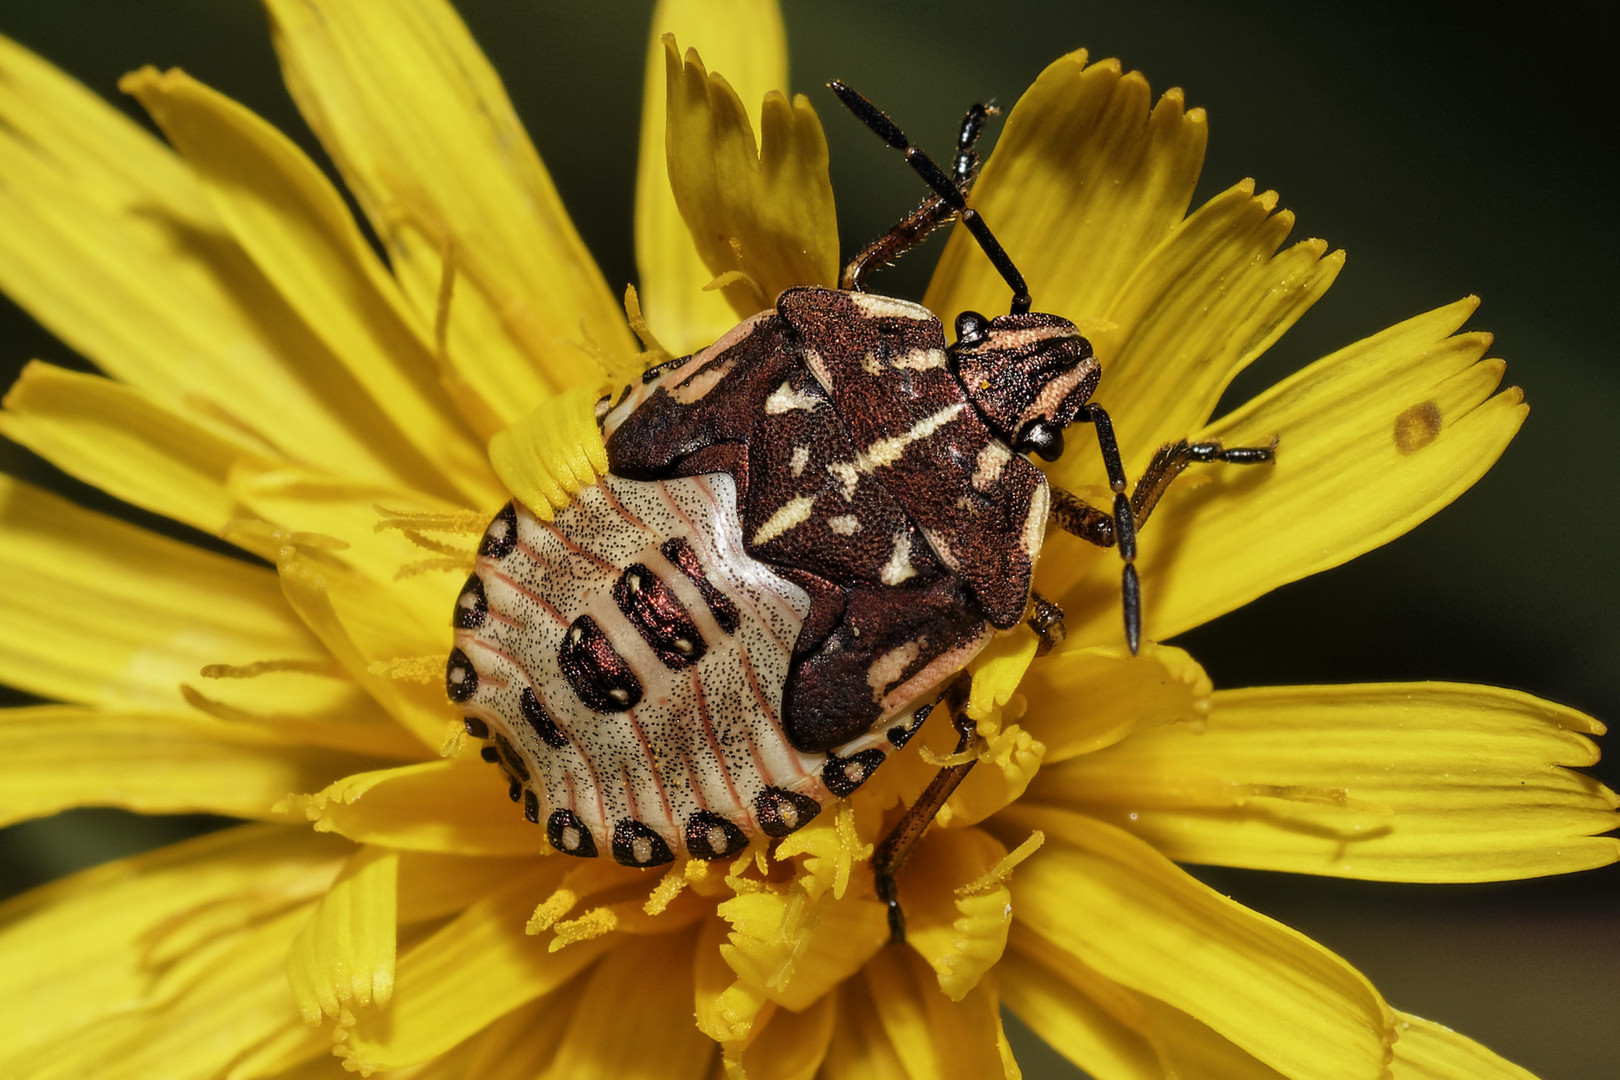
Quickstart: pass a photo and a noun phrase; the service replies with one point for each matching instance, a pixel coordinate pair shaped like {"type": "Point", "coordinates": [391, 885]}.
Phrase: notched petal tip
{"type": "Point", "coordinates": [761, 211]}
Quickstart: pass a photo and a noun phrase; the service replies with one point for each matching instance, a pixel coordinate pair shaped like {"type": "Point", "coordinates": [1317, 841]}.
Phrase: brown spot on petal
{"type": "Point", "coordinates": [1417, 427]}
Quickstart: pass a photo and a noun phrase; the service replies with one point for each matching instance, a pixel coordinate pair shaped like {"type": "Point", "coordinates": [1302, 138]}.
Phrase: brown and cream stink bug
{"type": "Point", "coordinates": [807, 528]}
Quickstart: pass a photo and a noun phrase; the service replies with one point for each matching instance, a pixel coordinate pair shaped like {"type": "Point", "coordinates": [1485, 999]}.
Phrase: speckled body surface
{"type": "Point", "coordinates": [806, 527]}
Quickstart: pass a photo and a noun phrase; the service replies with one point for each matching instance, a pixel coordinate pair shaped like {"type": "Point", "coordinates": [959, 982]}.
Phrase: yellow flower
{"type": "Point", "coordinates": [270, 381]}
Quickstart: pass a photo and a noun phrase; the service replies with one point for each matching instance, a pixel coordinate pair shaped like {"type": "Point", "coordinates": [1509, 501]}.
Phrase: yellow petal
{"type": "Point", "coordinates": [477, 967]}
{"type": "Point", "coordinates": [127, 443]}
{"type": "Point", "coordinates": [1373, 439]}
{"type": "Point", "coordinates": [518, 1046]}
{"type": "Point", "coordinates": [293, 224]}
{"type": "Point", "coordinates": [111, 244]}
{"type": "Point", "coordinates": [729, 1010]}
{"type": "Point", "coordinates": [1121, 908]}
{"type": "Point", "coordinates": [1213, 296]}
{"type": "Point", "coordinates": [80, 951]}
{"type": "Point", "coordinates": [102, 612]}
{"type": "Point", "coordinates": [793, 950]}
{"type": "Point", "coordinates": [418, 575]}
{"type": "Point", "coordinates": [426, 138]}
{"type": "Point", "coordinates": [956, 916]}
{"type": "Point", "coordinates": [53, 757]}
{"type": "Point", "coordinates": [647, 979]}
{"type": "Point", "coordinates": [433, 885]}
{"type": "Point", "coordinates": [997, 671]}
{"type": "Point", "coordinates": [743, 41]}
{"type": "Point", "coordinates": [1008, 761]}
{"type": "Point", "coordinates": [1392, 782]}
{"type": "Point", "coordinates": [762, 211]}
{"type": "Point", "coordinates": [366, 629]}
{"type": "Point", "coordinates": [1083, 699]}
{"type": "Point", "coordinates": [860, 1048]}
{"type": "Point", "coordinates": [222, 1000]}
{"type": "Point", "coordinates": [341, 718]}
{"type": "Point", "coordinates": [456, 807]}
{"type": "Point", "coordinates": [1112, 1031]}
{"type": "Point", "coordinates": [1084, 182]}
{"type": "Point", "coordinates": [792, 1045]}
{"type": "Point", "coordinates": [548, 456]}
{"type": "Point", "coordinates": [933, 1036]}
{"type": "Point", "coordinates": [343, 957]}
{"type": "Point", "coordinates": [1428, 1051]}
{"type": "Point", "coordinates": [1070, 1021]}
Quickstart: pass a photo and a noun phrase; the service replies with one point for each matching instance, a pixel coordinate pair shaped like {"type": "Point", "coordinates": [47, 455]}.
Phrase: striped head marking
{"type": "Point", "coordinates": [1029, 375]}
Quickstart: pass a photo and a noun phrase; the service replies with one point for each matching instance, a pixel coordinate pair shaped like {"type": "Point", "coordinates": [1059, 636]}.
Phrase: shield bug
{"type": "Point", "coordinates": [806, 528]}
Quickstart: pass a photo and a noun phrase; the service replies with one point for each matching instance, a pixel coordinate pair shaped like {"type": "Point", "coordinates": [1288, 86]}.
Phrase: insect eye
{"type": "Point", "coordinates": [1040, 437]}
{"type": "Point", "coordinates": [971, 328]}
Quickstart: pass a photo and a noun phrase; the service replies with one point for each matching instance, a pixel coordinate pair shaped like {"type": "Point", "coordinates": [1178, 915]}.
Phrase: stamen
{"type": "Point", "coordinates": [464, 522]}
{"type": "Point", "coordinates": [416, 669]}
{"type": "Point", "coordinates": [593, 924]}
{"type": "Point", "coordinates": [653, 352]}
{"type": "Point", "coordinates": [550, 910]}
{"type": "Point", "coordinates": [850, 849]}
{"type": "Point", "coordinates": [461, 565]}
{"type": "Point", "coordinates": [667, 889]}
{"type": "Point", "coordinates": [950, 761]}
{"type": "Point", "coordinates": [1004, 868]}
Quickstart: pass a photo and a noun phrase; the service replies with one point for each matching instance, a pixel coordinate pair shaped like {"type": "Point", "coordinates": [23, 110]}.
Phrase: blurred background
{"type": "Point", "coordinates": [1449, 153]}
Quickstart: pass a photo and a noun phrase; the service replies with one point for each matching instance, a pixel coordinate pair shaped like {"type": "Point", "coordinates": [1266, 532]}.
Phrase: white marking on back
{"type": "Point", "coordinates": [992, 459]}
{"type": "Point", "coordinates": [844, 524]}
{"type": "Point", "coordinates": [877, 306]}
{"type": "Point", "coordinates": [899, 567]}
{"type": "Point", "coordinates": [786, 399]}
{"type": "Point", "coordinates": [848, 475]}
{"type": "Point", "coordinates": [910, 360]}
{"type": "Point", "coordinates": [887, 669]}
{"type": "Point", "coordinates": [890, 450]}
{"type": "Point", "coordinates": [800, 458]}
{"type": "Point", "coordinates": [795, 513]}
{"type": "Point", "coordinates": [1035, 525]}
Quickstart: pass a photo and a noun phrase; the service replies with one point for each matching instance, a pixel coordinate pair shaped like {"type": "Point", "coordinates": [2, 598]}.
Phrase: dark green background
{"type": "Point", "coordinates": [1449, 152]}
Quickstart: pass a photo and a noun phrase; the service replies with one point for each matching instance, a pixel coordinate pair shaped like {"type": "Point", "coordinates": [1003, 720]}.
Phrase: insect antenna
{"type": "Point", "coordinates": [942, 184]}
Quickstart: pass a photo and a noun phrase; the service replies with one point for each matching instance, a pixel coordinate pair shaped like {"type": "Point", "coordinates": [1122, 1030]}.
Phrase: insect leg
{"type": "Point", "coordinates": [1169, 461]}
{"type": "Point", "coordinates": [1074, 515]}
{"type": "Point", "coordinates": [916, 226]}
{"type": "Point", "coordinates": [1124, 520]}
{"type": "Point", "coordinates": [944, 186]}
{"type": "Point", "coordinates": [1046, 619]}
{"type": "Point", "coordinates": [893, 850]}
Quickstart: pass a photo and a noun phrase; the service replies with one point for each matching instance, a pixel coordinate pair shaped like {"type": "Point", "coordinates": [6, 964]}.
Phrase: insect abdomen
{"type": "Point", "coordinates": [631, 657]}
